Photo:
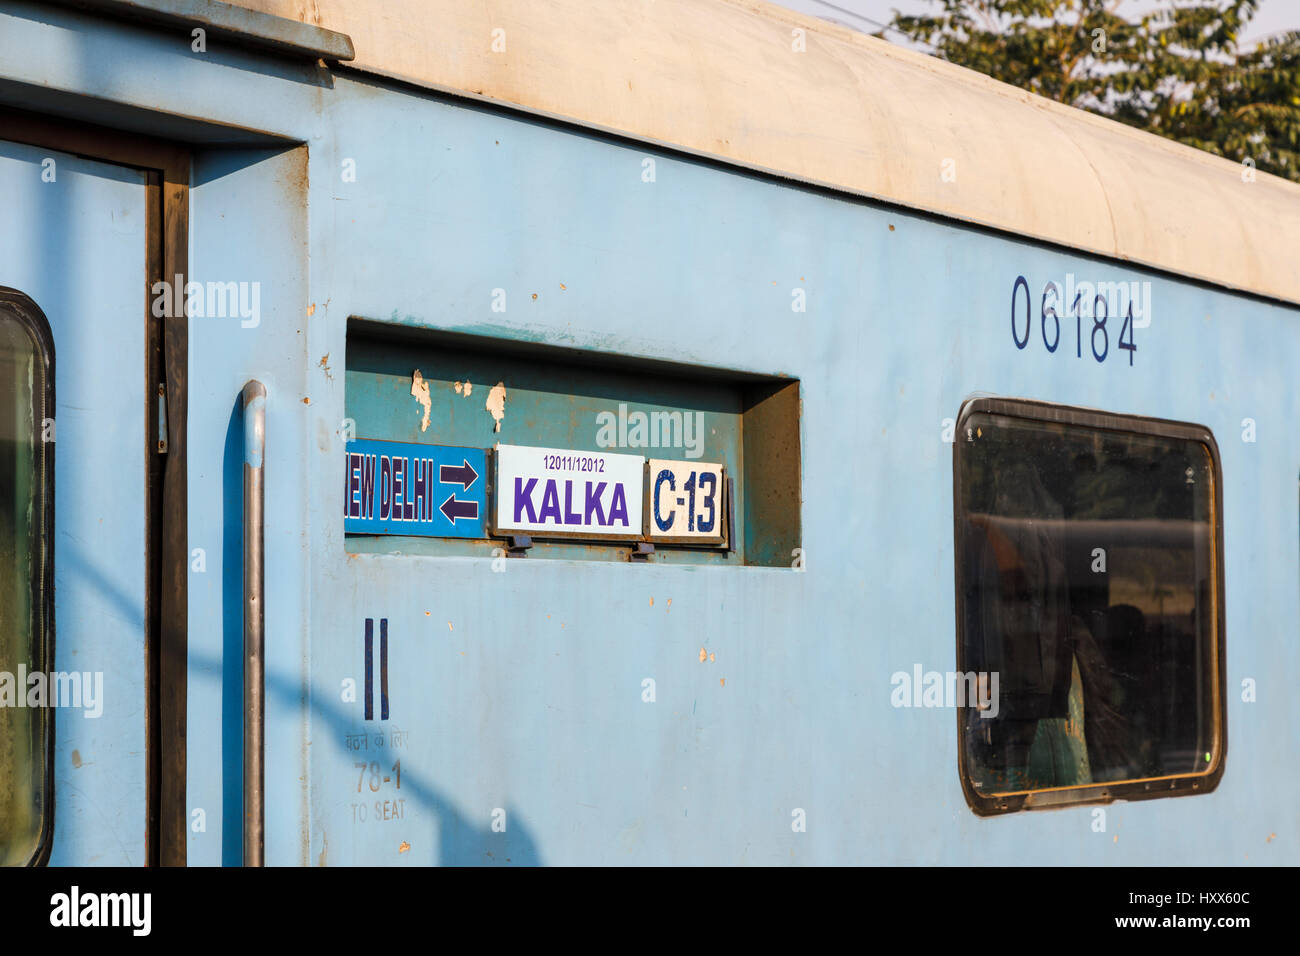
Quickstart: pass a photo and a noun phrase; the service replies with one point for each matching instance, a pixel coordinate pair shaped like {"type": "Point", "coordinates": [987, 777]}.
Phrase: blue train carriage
{"type": "Point", "coordinates": [759, 444]}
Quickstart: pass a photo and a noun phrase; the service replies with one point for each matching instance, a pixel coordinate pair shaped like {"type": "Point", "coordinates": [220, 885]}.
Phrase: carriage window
{"type": "Point", "coordinates": [26, 477]}
{"type": "Point", "coordinates": [1089, 606]}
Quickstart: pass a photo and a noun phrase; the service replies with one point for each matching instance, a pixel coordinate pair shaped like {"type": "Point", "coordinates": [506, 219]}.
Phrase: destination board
{"type": "Point", "coordinates": [563, 493]}
{"type": "Point", "coordinates": [404, 488]}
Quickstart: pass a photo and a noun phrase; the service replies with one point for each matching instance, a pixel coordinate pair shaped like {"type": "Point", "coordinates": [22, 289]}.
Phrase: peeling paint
{"type": "Point", "coordinates": [420, 392]}
{"type": "Point", "coordinates": [712, 657]}
{"type": "Point", "coordinates": [76, 758]}
{"type": "Point", "coordinates": [496, 404]}
{"type": "Point", "coordinates": [403, 847]}
{"type": "Point", "coordinates": [324, 364]}
{"type": "Point", "coordinates": [704, 655]}
{"type": "Point", "coordinates": [465, 388]}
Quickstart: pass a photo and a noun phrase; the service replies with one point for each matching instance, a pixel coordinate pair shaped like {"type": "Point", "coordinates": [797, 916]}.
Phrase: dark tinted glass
{"type": "Point", "coordinates": [1087, 582]}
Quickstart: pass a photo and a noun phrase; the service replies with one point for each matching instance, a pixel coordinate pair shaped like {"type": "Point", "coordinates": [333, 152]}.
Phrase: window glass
{"type": "Point", "coordinates": [25, 641]}
{"type": "Point", "coordinates": [1087, 585]}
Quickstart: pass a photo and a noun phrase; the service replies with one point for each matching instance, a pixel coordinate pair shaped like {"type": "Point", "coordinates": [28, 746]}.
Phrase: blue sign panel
{"type": "Point", "coordinates": [435, 491]}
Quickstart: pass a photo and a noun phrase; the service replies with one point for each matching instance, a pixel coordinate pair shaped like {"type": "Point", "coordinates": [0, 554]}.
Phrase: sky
{"type": "Point", "coordinates": [869, 16]}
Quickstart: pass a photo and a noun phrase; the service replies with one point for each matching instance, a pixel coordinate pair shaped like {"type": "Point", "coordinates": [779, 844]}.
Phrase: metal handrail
{"type": "Point", "coordinates": [254, 625]}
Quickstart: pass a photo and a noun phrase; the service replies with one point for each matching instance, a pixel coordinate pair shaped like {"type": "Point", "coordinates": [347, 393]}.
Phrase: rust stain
{"type": "Point", "coordinates": [1271, 838]}
{"type": "Point", "coordinates": [311, 310]}
{"type": "Point", "coordinates": [324, 363]}
{"type": "Point", "coordinates": [670, 603]}
{"type": "Point", "coordinates": [449, 627]}
{"type": "Point", "coordinates": [652, 602]}
{"type": "Point", "coordinates": [306, 400]}
{"type": "Point", "coordinates": [534, 296]}
{"type": "Point", "coordinates": [712, 658]}
{"type": "Point", "coordinates": [704, 655]}
{"type": "Point", "coordinates": [563, 286]}
{"type": "Point", "coordinates": [722, 681]}
{"type": "Point", "coordinates": [403, 847]}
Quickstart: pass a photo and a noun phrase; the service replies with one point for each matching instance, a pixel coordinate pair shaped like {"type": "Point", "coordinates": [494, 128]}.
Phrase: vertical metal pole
{"type": "Point", "coordinates": [254, 625]}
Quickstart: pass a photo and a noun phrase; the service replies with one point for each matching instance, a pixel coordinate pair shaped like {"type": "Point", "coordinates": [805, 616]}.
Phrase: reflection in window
{"type": "Point", "coordinates": [1087, 582]}
{"type": "Point", "coordinates": [25, 632]}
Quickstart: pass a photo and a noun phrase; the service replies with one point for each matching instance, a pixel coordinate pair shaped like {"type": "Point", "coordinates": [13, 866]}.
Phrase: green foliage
{"type": "Point", "coordinates": [1177, 71]}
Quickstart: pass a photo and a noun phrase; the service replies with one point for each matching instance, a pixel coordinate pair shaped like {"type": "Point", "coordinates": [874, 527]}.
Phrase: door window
{"type": "Point", "coordinates": [26, 630]}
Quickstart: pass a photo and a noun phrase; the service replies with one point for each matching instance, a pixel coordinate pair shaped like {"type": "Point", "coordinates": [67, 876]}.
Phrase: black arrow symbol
{"type": "Point", "coordinates": [464, 474]}
{"type": "Point", "coordinates": [454, 508]}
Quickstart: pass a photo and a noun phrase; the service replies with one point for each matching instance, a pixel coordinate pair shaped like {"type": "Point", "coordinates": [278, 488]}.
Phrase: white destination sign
{"type": "Point", "coordinates": [685, 501]}
{"type": "Point", "coordinates": [562, 493]}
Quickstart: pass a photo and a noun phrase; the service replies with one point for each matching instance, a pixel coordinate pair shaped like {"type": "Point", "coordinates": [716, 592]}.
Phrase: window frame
{"type": "Point", "coordinates": [28, 314]}
{"type": "Point", "coordinates": [1096, 793]}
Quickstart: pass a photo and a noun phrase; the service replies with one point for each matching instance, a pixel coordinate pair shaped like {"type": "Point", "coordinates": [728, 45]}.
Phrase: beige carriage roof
{"type": "Point", "coordinates": [762, 87]}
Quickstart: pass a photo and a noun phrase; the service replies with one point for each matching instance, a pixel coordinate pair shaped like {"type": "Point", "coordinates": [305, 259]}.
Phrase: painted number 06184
{"type": "Point", "coordinates": [1049, 323]}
